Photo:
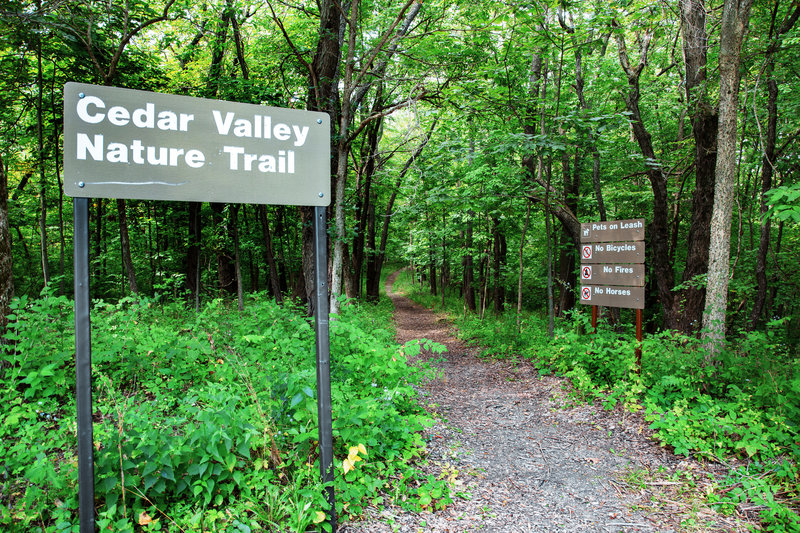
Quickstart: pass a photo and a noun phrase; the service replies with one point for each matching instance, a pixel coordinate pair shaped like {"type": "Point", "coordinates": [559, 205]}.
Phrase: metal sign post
{"type": "Point", "coordinates": [167, 147]}
{"type": "Point", "coordinates": [321, 329]}
{"type": "Point", "coordinates": [83, 366]}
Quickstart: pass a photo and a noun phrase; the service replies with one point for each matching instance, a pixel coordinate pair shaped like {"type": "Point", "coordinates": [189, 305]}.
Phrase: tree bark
{"type": "Point", "coordinates": [226, 268]}
{"type": "Point", "coordinates": [6, 257]}
{"type": "Point", "coordinates": [467, 265]}
{"type": "Point", "coordinates": [274, 281]}
{"type": "Point", "coordinates": [125, 245]}
{"type": "Point", "coordinates": [691, 299]}
{"type": "Point", "coordinates": [195, 238]}
{"type": "Point", "coordinates": [41, 158]}
{"type": "Point", "coordinates": [499, 260]}
{"type": "Point", "coordinates": [236, 255]}
{"type": "Point", "coordinates": [323, 96]}
{"type": "Point", "coordinates": [659, 228]}
{"type": "Point", "coordinates": [768, 162]}
{"type": "Point", "coordinates": [522, 263]}
{"type": "Point", "coordinates": [735, 19]}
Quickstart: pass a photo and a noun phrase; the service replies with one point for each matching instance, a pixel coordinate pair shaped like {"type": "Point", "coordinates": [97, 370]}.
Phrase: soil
{"type": "Point", "coordinates": [528, 460]}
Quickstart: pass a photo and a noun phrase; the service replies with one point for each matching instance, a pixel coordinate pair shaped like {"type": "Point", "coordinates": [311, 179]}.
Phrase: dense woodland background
{"type": "Point", "coordinates": [469, 138]}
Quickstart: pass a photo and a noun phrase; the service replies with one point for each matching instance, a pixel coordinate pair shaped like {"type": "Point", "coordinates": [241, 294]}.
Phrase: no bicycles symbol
{"type": "Point", "coordinates": [586, 293]}
{"type": "Point", "coordinates": [587, 252]}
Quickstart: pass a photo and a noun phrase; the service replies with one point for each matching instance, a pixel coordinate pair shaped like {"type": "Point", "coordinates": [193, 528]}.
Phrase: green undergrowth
{"type": "Point", "coordinates": [745, 410]}
{"type": "Point", "coordinates": [207, 421]}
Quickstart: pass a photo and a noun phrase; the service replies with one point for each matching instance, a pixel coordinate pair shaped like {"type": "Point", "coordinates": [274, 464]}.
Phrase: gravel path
{"type": "Point", "coordinates": [528, 461]}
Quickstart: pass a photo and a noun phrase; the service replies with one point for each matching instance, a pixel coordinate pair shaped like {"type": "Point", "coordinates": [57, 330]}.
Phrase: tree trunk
{"type": "Point", "coordinates": [6, 257]}
{"type": "Point", "coordinates": [467, 264]}
{"type": "Point", "coordinates": [125, 245]}
{"type": "Point", "coordinates": [549, 249]}
{"type": "Point", "coordinates": [323, 96]}
{"type": "Point", "coordinates": [768, 164]}
{"type": "Point", "coordinates": [274, 281]}
{"type": "Point", "coordinates": [364, 202]}
{"type": "Point", "coordinates": [659, 228]}
{"type": "Point", "coordinates": [195, 239]}
{"type": "Point", "coordinates": [735, 19]}
{"type": "Point", "coordinates": [522, 264]}
{"type": "Point", "coordinates": [374, 256]}
{"type": "Point", "coordinates": [499, 261]}
{"type": "Point", "coordinates": [98, 239]}
{"type": "Point", "coordinates": [226, 268]}
{"type": "Point", "coordinates": [40, 159]}
{"type": "Point", "coordinates": [690, 300]}
{"type": "Point", "coordinates": [236, 255]}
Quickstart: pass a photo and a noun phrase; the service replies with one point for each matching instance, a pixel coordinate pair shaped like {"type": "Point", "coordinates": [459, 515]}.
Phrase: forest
{"type": "Point", "coordinates": [469, 141]}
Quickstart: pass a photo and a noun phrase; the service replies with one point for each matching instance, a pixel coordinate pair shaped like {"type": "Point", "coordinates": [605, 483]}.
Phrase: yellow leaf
{"type": "Point", "coordinates": [362, 449]}
{"type": "Point", "coordinates": [144, 519]}
{"type": "Point", "coordinates": [319, 517]}
{"type": "Point", "coordinates": [353, 451]}
{"type": "Point", "coordinates": [347, 465]}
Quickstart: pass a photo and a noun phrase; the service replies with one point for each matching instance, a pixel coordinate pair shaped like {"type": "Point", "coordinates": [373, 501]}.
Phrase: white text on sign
{"type": "Point", "coordinates": [94, 110]}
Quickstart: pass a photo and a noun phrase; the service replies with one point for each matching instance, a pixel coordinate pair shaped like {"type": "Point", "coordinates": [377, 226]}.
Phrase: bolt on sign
{"type": "Point", "coordinates": [124, 143]}
{"type": "Point", "coordinates": [612, 263]}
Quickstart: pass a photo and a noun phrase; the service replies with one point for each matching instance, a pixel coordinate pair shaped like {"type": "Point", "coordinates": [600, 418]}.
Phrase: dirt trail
{"type": "Point", "coordinates": [529, 463]}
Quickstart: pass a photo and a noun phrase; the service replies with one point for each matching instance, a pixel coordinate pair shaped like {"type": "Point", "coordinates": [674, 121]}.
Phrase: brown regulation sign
{"type": "Point", "coordinates": [612, 263]}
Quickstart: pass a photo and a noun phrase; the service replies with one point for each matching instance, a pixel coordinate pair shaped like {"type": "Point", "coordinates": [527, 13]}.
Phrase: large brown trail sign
{"type": "Point", "coordinates": [612, 268]}
{"type": "Point", "coordinates": [612, 263]}
{"type": "Point", "coordinates": [121, 143]}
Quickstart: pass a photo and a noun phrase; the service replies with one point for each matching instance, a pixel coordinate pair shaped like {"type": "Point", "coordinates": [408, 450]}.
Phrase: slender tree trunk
{"type": "Point", "coordinates": [659, 228]}
{"type": "Point", "coordinates": [323, 96]}
{"type": "Point", "coordinates": [691, 300]}
{"type": "Point", "coordinates": [522, 264]}
{"type": "Point", "coordinates": [195, 239]}
{"type": "Point", "coordinates": [364, 204]}
{"type": "Point", "coordinates": [125, 245]}
{"type": "Point", "coordinates": [226, 268]}
{"type": "Point", "coordinates": [735, 19]}
{"type": "Point", "coordinates": [499, 256]}
{"type": "Point", "coordinates": [467, 263]}
{"type": "Point", "coordinates": [237, 261]}
{"type": "Point", "coordinates": [6, 257]}
{"type": "Point", "coordinates": [56, 153]}
{"type": "Point", "coordinates": [40, 159]}
{"type": "Point", "coordinates": [549, 250]}
{"type": "Point", "coordinates": [444, 270]}
{"type": "Point", "coordinates": [98, 238]}
{"type": "Point", "coordinates": [768, 162]}
{"type": "Point", "coordinates": [274, 281]}
{"type": "Point", "coordinates": [374, 257]}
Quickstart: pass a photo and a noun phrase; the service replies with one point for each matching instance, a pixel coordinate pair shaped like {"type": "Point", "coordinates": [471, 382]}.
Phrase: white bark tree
{"type": "Point", "coordinates": [735, 20]}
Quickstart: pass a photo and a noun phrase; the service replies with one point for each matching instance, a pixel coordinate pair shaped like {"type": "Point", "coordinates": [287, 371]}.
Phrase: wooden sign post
{"type": "Point", "coordinates": [612, 269]}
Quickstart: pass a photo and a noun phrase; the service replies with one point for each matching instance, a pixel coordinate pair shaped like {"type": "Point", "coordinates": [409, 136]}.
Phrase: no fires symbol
{"type": "Point", "coordinates": [586, 272]}
{"type": "Point", "coordinates": [586, 293]}
{"type": "Point", "coordinates": [587, 252]}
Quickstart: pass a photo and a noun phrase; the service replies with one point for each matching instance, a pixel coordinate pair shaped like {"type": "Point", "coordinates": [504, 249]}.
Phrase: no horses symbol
{"type": "Point", "coordinates": [586, 293]}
